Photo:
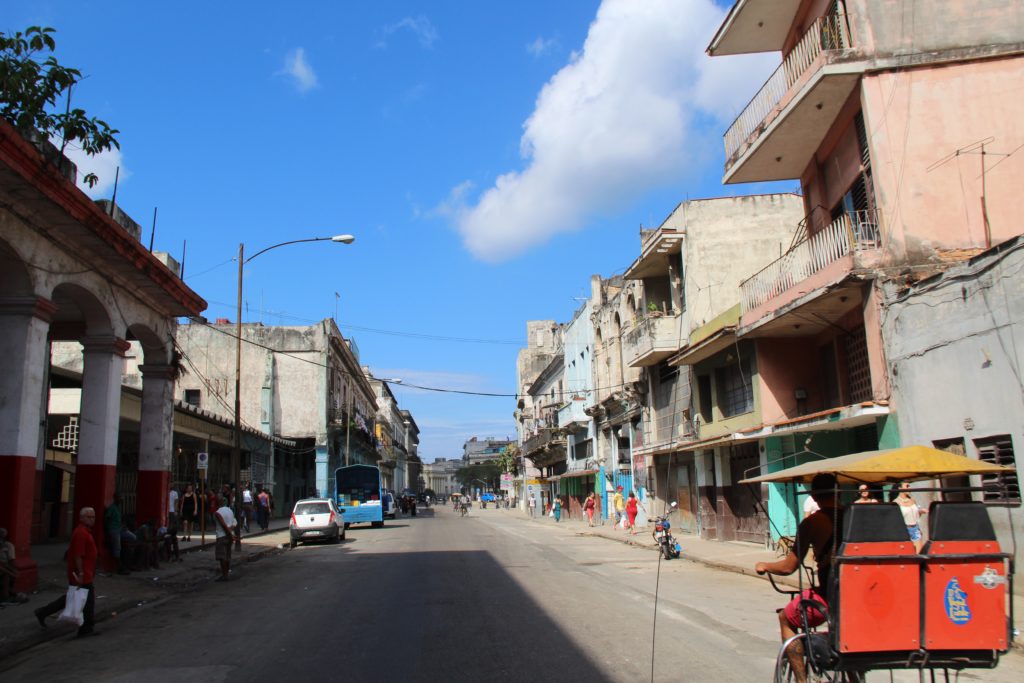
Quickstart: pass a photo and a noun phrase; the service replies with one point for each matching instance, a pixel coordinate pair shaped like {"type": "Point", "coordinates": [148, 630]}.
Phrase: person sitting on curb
{"type": "Point", "coordinates": [117, 532]}
{"type": "Point", "coordinates": [225, 520]}
{"type": "Point", "coordinates": [8, 573]}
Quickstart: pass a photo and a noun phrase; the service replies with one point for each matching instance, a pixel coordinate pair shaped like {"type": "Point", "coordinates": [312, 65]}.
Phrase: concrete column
{"type": "Point", "coordinates": [322, 475]}
{"type": "Point", "coordinates": [95, 474]}
{"type": "Point", "coordinates": [24, 348]}
{"type": "Point", "coordinates": [156, 429]}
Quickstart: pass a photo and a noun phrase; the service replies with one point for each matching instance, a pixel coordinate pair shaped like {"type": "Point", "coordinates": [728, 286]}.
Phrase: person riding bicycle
{"type": "Point", "coordinates": [816, 531]}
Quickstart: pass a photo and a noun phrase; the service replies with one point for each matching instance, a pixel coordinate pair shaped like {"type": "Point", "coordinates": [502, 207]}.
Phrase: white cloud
{"type": "Point", "coordinates": [540, 46]}
{"type": "Point", "coordinates": [105, 165]}
{"type": "Point", "coordinates": [625, 115]}
{"type": "Point", "coordinates": [419, 26]}
{"type": "Point", "coordinates": [299, 71]}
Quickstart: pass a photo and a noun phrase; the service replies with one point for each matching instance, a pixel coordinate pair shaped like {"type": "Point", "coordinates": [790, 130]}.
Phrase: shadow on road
{"type": "Point", "coordinates": [453, 616]}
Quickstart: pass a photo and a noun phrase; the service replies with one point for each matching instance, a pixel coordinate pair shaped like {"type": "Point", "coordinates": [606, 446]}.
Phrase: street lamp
{"type": "Point", "coordinates": [236, 450]}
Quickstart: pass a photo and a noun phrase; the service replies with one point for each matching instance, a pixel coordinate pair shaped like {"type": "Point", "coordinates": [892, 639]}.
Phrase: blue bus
{"type": "Point", "coordinates": [359, 493]}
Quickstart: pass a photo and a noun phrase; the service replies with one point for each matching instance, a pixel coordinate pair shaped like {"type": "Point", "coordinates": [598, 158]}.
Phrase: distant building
{"type": "Point", "coordinates": [476, 450]}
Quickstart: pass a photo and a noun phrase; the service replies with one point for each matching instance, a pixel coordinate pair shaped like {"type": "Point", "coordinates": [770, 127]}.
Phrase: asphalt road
{"type": "Point", "coordinates": [490, 597]}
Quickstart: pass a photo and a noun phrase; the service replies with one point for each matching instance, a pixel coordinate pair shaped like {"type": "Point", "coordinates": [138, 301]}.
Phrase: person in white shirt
{"type": "Point", "coordinates": [172, 509]}
{"type": "Point", "coordinates": [225, 526]}
{"type": "Point", "coordinates": [247, 507]}
{"type": "Point", "coordinates": [810, 506]}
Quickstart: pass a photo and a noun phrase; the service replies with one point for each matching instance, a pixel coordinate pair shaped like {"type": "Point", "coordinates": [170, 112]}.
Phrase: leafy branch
{"type": "Point", "coordinates": [30, 87]}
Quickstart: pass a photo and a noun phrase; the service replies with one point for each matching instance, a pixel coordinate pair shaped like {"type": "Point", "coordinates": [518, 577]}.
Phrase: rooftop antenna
{"type": "Point", "coordinates": [184, 243]}
{"type": "Point", "coordinates": [113, 197]}
{"type": "Point", "coordinates": [152, 233]}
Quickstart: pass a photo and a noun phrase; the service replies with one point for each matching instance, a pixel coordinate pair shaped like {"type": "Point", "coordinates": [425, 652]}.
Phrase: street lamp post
{"type": "Point", "coordinates": [236, 449]}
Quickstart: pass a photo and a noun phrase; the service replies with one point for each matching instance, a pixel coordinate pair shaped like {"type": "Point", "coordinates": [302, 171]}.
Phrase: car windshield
{"type": "Point", "coordinates": [318, 508]}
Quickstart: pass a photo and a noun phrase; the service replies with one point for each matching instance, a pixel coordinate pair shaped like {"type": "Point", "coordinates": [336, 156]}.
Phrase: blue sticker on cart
{"type": "Point", "coordinates": [956, 603]}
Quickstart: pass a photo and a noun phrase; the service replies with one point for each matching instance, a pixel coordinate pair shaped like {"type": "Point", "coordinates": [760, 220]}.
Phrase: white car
{"type": "Point", "coordinates": [390, 509]}
{"type": "Point", "coordinates": [316, 519]}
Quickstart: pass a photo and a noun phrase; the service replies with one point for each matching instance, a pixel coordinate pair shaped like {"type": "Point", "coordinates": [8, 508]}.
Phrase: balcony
{"type": "Point", "coordinates": [653, 339]}
{"type": "Point", "coordinates": [780, 129]}
{"type": "Point", "coordinates": [545, 438]}
{"type": "Point", "coordinates": [825, 250]}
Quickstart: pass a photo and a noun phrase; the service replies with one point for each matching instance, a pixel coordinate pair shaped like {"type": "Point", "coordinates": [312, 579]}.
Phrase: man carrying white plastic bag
{"type": "Point", "coordinates": [77, 605]}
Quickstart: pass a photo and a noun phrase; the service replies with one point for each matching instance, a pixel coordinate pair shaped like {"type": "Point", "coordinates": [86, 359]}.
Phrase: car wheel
{"type": "Point", "coordinates": [346, 525]}
{"type": "Point", "coordinates": [378, 525]}
{"type": "Point", "coordinates": [342, 535]}
{"type": "Point", "coordinates": [292, 544]}
{"type": "Point", "coordinates": [337, 536]}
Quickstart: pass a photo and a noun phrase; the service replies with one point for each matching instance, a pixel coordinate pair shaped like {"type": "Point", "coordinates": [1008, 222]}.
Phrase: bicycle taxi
{"type": "Point", "coordinates": [944, 609]}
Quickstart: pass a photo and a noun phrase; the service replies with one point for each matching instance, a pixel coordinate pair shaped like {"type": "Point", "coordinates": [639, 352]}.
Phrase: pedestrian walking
{"type": "Point", "coordinates": [632, 507]}
{"type": "Point", "coordinates": [263, 509]}
{"type": "Point", "coordinates": [189, 510]}
{"type": "Point", "coordinates": [532, 504]}
{"type": "Point", "coordinates": [619, 504]}
{"type": "Point", "coordinates": [225, 520]}
{"type": "Point", "coordinates": [172, 507]}
{"type": "Point", "coordinates": [556, 510]}
{"type": "Point", "coordinates": [247, 507]}
{"type": "Point", "coordinates": [211, 509]}
{"type": "Point", "coordinates": [81, 572]}
{"type": "Point", "coordinates": [589, 505]}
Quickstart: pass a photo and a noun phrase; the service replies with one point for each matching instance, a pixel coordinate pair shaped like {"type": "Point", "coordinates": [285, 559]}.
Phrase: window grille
{"type": "Point", "coordinates": [1003, 488]}
{"type": "Point", "coordinates": [857, 366]}
{"type": "Point", "coordinates": [735, 392]}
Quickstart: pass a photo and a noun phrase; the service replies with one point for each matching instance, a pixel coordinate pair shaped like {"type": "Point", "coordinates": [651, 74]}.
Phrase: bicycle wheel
{"type": "Point", "coordinates": [784, 670]}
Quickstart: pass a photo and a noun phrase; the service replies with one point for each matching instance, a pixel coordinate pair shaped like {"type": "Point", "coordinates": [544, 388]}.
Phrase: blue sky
{"type": "Point", "coordinates": [489, 157]}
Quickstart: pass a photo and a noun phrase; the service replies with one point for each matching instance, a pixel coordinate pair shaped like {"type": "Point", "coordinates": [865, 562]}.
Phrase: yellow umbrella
{"type": "Point", "coordinates": [874, 467]}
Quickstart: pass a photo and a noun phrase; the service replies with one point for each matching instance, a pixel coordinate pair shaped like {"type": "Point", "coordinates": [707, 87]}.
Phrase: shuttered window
{"type": "Point", "coordinates": [1002, 488]}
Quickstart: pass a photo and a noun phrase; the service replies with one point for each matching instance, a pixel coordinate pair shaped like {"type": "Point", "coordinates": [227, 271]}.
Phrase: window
{"type": "Point", "coordinates": [735, 391]}
{"type": "Point", "coordinates": [999, 488]}
{"type": "Point", "coordinates": [192, 397]}
{"type": "Point", "coordinates": [704, 394]}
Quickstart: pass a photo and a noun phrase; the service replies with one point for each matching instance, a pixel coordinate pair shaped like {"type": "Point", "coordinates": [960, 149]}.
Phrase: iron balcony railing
{"type": "Point", "coordinates": [851, 232]}
{"type": "Point", "coordinates": [830, 32]}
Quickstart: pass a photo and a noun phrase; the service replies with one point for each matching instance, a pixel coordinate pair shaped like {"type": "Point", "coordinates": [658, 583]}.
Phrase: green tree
{"type": "Point", "coordinates": [509, 459]}
{"type": "Point", "coordinates": [488, 472]}
{"type": "Point", "coordinates": [30, 89]}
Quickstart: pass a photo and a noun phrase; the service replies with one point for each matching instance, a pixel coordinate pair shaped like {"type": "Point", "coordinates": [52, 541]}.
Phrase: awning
{"type": "Point", "coordinates": [571, 475]}
{"type": "Point", "coordinates": [897, 464]}
{"type": "Point", "coordinates": [694, 353]}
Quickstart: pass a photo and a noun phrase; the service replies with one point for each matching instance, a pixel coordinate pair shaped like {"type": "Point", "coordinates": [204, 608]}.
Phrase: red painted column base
{"type": "Point", "coordinates": [94, 487]}
{"type": "Point", "coordinates": [17, 500]}
{"type": "Point", "coordinates": [151, 493]}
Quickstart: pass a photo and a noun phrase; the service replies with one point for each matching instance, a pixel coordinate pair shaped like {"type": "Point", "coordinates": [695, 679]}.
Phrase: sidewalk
{"type": "Point", "coordinates": [117, 594]}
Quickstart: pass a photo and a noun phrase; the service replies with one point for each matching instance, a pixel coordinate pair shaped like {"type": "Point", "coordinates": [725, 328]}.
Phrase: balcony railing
{"type": "Point", "coordinates": [542, 438]}
{"type": "Point", "coordinates": [654, 335]}
{"type": "Point", "coordinates": [827, 33]}
{"type": "Point", "coordinates": [854, 231]}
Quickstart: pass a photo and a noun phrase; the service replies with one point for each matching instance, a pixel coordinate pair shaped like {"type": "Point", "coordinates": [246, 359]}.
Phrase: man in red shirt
{"type": "Point", "coordinates": [81, 570]}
